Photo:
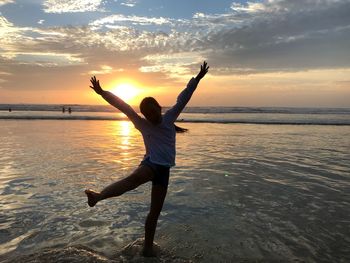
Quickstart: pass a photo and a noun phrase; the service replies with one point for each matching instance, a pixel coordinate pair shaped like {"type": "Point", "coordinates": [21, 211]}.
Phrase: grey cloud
{"type": "Point", "coordinates": [291, 37]}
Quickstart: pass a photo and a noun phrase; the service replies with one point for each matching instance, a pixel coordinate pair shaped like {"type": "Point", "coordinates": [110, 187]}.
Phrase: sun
{"type": "Point", "coordinates": [125, 91]}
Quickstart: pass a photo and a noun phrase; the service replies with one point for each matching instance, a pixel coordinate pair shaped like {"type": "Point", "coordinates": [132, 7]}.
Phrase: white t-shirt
{"type": "Point", "coordinates": [159, 139]}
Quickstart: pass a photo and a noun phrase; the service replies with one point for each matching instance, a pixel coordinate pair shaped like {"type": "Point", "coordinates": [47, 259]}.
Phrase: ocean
{"type": "Point", "coordinates": [250, 185]}
{"type": "Point", "coordinates": [251, 115]}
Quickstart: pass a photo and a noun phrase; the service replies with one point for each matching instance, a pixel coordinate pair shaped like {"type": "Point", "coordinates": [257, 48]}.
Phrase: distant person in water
{"type": "Point", "coordinates": [69, 110]}
{"type": "Point", "coordinates": [158, 131]}
{"type": "Point", "coordinates": [10, 109]}
{"type": "Point", "coordinates": [63, 110]}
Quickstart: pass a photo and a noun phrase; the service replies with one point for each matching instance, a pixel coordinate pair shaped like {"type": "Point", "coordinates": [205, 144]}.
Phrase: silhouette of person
{"type": "Point", "coordinates": [158, 131]}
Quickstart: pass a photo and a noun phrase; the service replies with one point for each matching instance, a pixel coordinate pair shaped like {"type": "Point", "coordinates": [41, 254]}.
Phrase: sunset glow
{"type": "Point", "coordinates": [261, 53]}
{"type": "Point", "coordinates": [126, 92]}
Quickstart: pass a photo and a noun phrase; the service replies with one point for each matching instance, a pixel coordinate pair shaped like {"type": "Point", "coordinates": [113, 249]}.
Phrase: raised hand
{"type": "Point", "coordinates": [96, 85]}
{"type": "Point", "coordinates": [203, 71]}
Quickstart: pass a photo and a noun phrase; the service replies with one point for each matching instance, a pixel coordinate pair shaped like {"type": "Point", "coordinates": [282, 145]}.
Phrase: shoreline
{"type": "Point", "coordinates": [97, 118]}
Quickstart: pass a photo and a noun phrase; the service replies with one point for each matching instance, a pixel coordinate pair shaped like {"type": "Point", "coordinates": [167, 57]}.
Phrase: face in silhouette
{"type": "Point", "coordinates": [151, 109]}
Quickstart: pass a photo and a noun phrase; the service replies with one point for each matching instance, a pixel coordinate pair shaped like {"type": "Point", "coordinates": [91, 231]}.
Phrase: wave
{"type": "Point", "coordinates": [63, 117]}
{"type": "Point", "coordinates": [204, 110]}
{"type": "Point", "coordinates": [340, 122]}
{"type": "Point", "coordinates": [271, 122]}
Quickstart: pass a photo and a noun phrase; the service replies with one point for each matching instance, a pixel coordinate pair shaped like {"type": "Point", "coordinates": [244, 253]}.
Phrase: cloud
{"type": "Point", "coordinates": [129, 3]}
{"type": "Point", "coordinates": [274, 35]}
{"type": "Point", "coordinates": [27, 45]}
{"type": "Point", "coordinates": [250, 7]}
{"type": "Point", "coordinates": [4, 2]}
{"type": "Point", "coordinates": [270, 36]}
{"type": "Point", "coordinates": [47, 59]}
{"type": "Point", "coordinates": [173, 65]}
{"type": "Point", "coordinates": [71, 6]}
{"type": "Point", "coordinates": [124, 20]}
{"type": "Point", "coordinates": [72, 50]}
{"type": "Point", "coordinates": [10, 35]}
{"type": "Point", "coordinates": [104, 69]}
{"type": "Point", "coordinates": [278, 35]}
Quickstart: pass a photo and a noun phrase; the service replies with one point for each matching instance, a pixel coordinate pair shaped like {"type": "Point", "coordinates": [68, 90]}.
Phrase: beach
{"type": "Point", "coordinates": [239, 192]}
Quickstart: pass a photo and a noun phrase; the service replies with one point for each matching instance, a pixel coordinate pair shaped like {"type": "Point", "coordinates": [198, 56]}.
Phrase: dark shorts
{"type": "Point", "coordinates": [161, 172]}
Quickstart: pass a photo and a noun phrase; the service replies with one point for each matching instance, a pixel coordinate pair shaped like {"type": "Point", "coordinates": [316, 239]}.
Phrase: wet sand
{"type": "Point", "coordinates": [76, 254]}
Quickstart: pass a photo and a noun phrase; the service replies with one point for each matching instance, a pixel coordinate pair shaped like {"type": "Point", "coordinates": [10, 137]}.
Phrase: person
{"type": "Point", "coordinates": [158, 131]}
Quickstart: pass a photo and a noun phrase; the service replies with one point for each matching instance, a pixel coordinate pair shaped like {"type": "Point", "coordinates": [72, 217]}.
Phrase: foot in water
{"type": "Point", "coordinates": [93, 197]}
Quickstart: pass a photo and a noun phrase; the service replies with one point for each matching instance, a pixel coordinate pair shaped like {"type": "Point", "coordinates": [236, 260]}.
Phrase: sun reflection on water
{"type": "Point", "coordinates": [125, 133]}
{"type": "Point", "coordinates": [125, 127]}
{"type": "Point", "coordinates": [125, 136]}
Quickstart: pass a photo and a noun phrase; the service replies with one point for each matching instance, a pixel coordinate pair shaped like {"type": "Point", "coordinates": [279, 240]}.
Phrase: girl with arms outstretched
{"type": "Point", "coordinates": [158, 131]}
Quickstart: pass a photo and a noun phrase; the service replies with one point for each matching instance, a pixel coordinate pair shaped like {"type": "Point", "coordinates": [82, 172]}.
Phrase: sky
{"type": "Point", "coordinates": [292, 53]}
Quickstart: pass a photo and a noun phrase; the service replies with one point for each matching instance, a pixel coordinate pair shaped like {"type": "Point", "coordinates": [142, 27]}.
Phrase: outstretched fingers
{"type": "Point", "coordinates": [93, 79]}
{"type": "Point", "coordinates": [203, 71]}
{"type": "Point", "coordinates": [95, 83]}
{"type": "Point", "coordinates": [205, 66]}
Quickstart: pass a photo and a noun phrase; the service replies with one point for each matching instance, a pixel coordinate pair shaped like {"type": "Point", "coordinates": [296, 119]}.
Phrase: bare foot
{"type": "Point", "coordinates": [148, 252]}
{"type": "Point", "coordinates": [93, 197]}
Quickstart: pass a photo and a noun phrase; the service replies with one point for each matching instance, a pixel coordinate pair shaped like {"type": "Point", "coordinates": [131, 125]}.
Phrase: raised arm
{"type": "Point", "coordinates": [185, 96]}
{"type": "Point", "coordinates": [115, 101]}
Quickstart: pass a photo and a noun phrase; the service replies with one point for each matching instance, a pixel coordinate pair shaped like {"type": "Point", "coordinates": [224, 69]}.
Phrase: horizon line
{"type": "Point", "coordinates": [210, 106]}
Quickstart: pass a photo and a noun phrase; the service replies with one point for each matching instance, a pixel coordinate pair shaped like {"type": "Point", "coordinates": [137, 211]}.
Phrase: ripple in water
{"type": "Point", "coordinates": [238, 193]}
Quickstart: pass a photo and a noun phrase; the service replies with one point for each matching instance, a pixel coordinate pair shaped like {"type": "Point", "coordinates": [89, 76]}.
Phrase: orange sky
{"type": "Point", "coordinates": [311, 88]}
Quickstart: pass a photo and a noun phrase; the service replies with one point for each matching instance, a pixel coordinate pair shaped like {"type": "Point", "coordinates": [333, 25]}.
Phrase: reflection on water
{"type": "Point", "coordinates": [243, 191]}
{"type": "Point", "coordinates": [125, 132]}
{"type": "Point", "coordinates": [124, 127]}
